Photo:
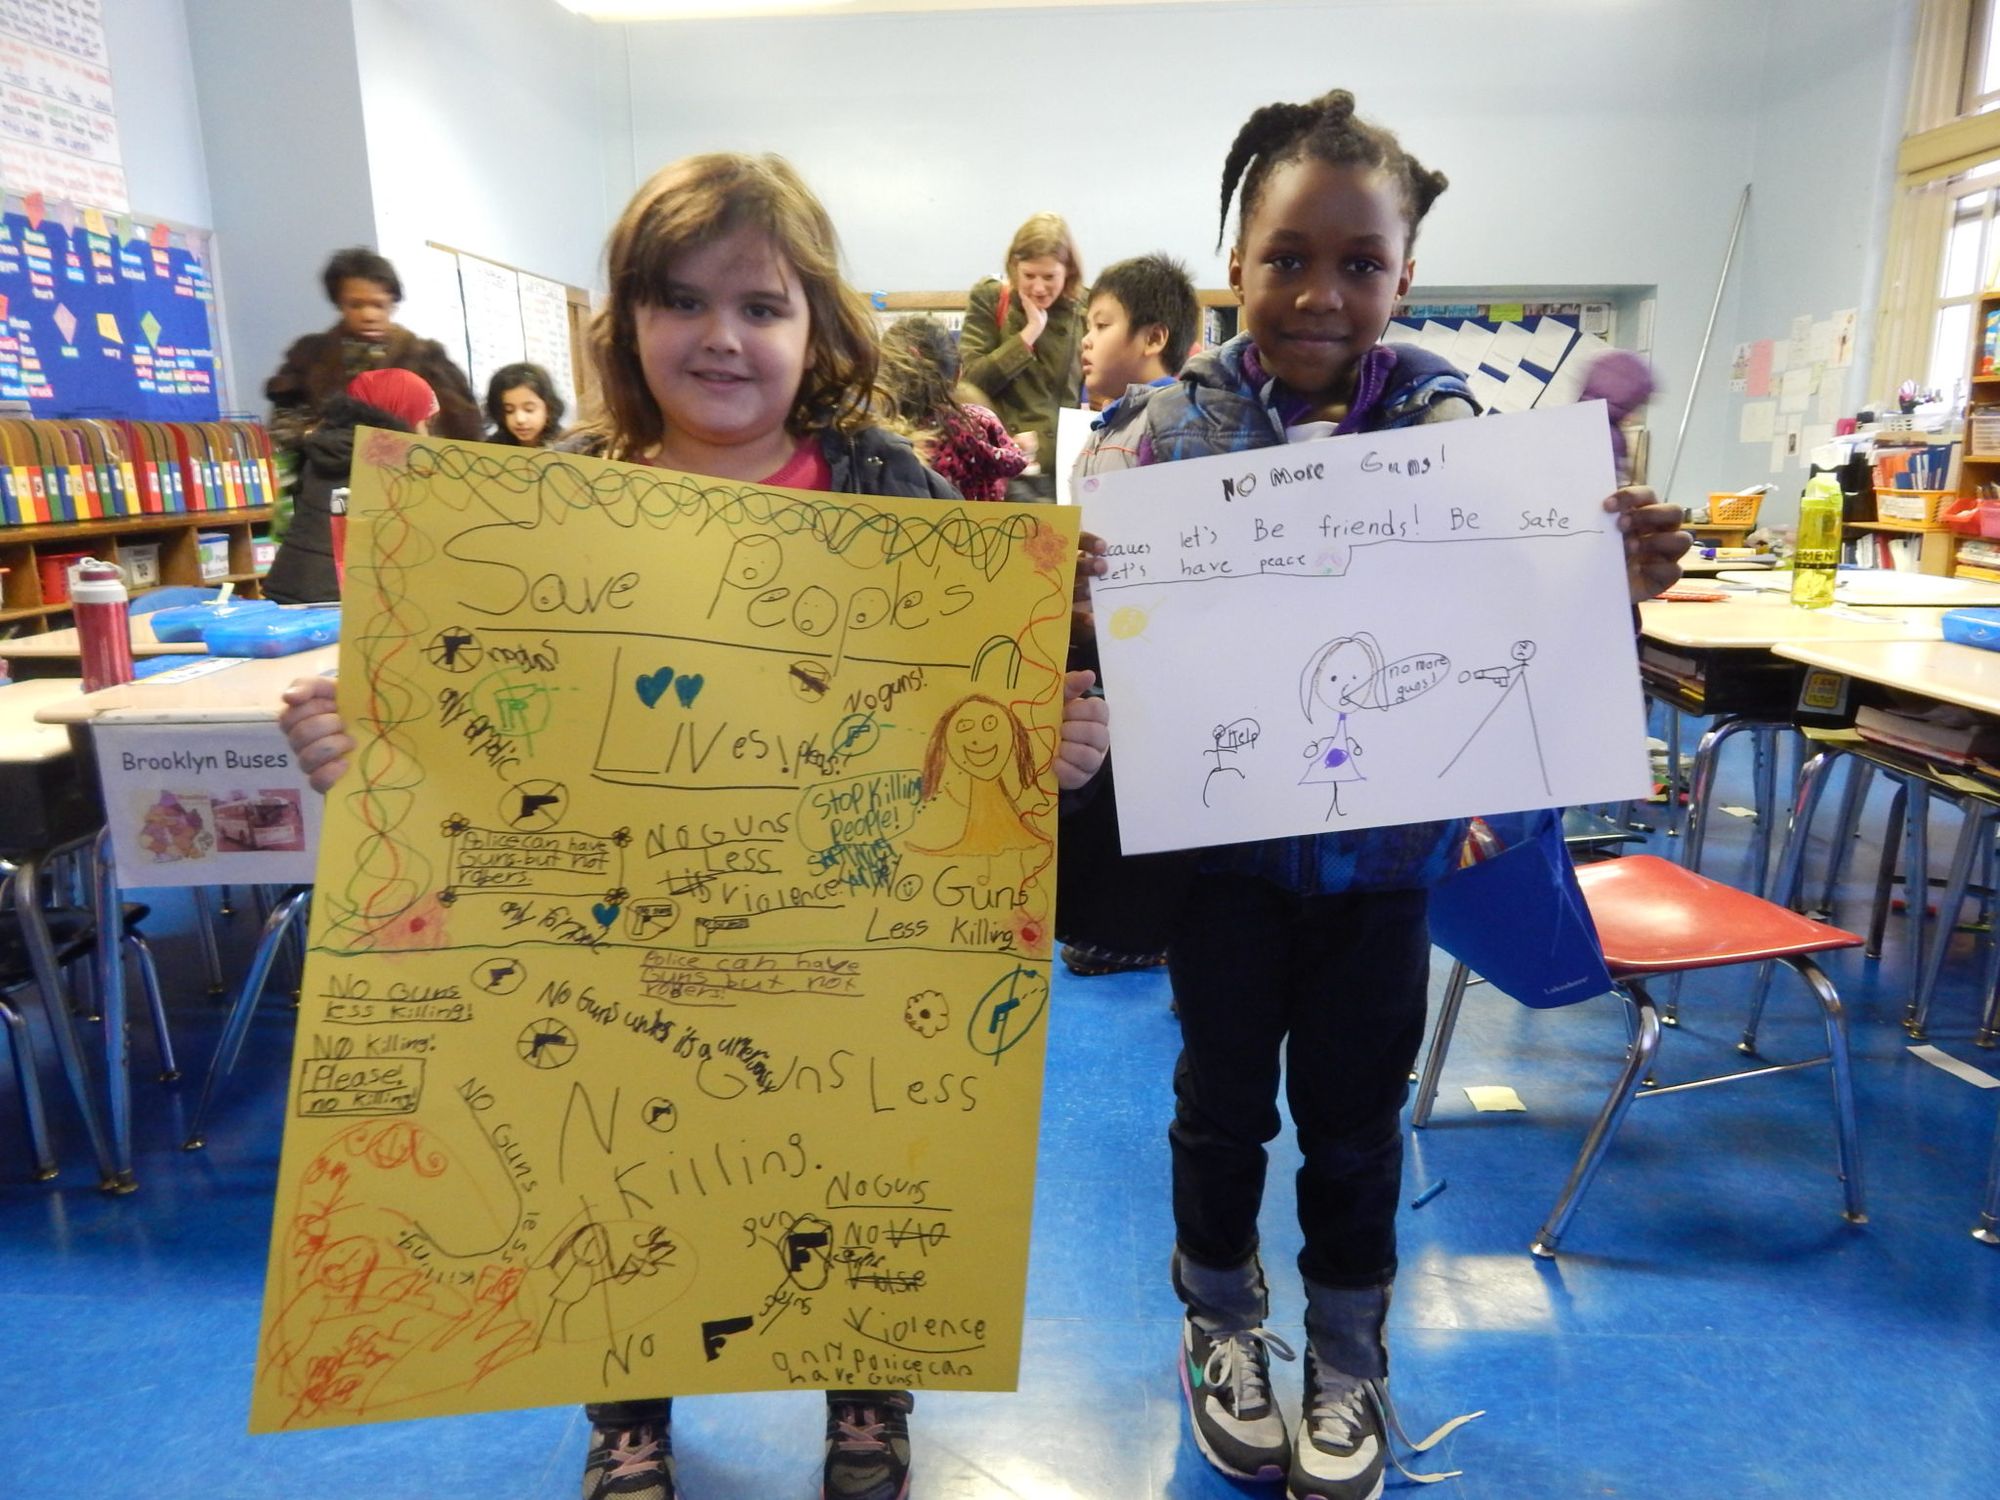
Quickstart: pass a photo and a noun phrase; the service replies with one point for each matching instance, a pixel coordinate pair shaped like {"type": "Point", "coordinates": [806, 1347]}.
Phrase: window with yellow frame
{"type": "Point", "coordinates": [1944, 241]}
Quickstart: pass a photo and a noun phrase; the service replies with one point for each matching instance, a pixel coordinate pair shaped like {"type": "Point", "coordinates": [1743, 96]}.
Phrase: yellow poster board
{"type": "Point", "coordinates": [675, 1009]}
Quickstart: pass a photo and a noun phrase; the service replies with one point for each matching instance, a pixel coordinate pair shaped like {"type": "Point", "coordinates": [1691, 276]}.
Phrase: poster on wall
{"type": "Point", "coordinates": [102, 317]}
{"type": "Point", "coordinates": [58, 122]}
{"type": "Point", "coordinates": [208, 805]}
{"type": "Point", "coordinates": [492, 318]}
{"type": "Point", "coordinates": [679, 967]}
{"type": "Point", "coordinates": [545, 333]}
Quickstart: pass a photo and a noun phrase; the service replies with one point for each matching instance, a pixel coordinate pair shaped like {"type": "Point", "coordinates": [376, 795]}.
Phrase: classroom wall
{"type": "Point", "coordinates": [486, 126]}
{"type": "Point", "coordinates": [277, 91]}
{"type": "Point", "coordinates": [159, 126]}
{"type": "Point", "coordinates": [1836, 76]}
{"type": "Point", "coordinates": [1588, 143]}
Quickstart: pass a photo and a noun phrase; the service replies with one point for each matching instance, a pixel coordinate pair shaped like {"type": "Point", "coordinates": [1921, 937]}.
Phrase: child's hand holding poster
{"type": "Point", "coordinates": [675, 1009]}
{"type": "Point", "coordinates": [1366, 631]}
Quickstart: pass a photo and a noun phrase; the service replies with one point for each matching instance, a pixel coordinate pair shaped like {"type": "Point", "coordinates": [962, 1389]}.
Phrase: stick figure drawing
{"type": "Point", "coordinates": [978, 768]}
{"type": "Point", "coordinates": [1511, 677]}
{"type": "Point", "coordinates": [1335, 680]}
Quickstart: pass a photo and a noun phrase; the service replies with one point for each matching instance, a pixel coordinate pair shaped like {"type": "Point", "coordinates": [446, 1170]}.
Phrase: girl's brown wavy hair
{"type": "Point", "coordinates": [684, 206]}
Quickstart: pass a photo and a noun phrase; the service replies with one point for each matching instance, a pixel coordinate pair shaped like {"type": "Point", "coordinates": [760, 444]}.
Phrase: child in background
{"type": "Point", "coordinates": [962, 440]}
{"type": "Point", "coordinates": [303, 572]}
{"type": "Point", "coordinates": [1019, 342]}
{"type": "Point", "coordinates": [1141, 322]}
{"type": "Point", "coordinates": [732, 348]}
{"type": "Point", "coordinates": [1312, 949]}
{"type": "Point", "coordinates": [522, 405]}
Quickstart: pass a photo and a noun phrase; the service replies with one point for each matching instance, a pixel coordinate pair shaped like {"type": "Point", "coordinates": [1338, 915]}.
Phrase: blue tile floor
{"type": "Point", "coordinates": [1711, 1329]}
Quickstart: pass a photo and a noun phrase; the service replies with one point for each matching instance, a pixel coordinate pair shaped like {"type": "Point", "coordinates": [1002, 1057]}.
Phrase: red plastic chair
{"type": "Point", "coordinates": [1656, 917]}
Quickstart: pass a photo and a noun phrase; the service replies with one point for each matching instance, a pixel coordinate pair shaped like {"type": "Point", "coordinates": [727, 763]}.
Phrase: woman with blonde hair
{"type": "Point", "coordinates": [1023, 339]}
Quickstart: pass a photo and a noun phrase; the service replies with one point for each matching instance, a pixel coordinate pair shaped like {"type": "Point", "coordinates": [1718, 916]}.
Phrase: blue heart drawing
{"type": "Point", "coordinates": [605, 915]}
{"type": "Point", "coordinates": [652, 686]}
{"type": "Point", "coordinates": [686, 686]}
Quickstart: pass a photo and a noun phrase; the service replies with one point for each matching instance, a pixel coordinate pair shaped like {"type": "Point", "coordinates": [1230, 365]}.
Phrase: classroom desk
{"type": "Point", "coordinates": [58, 651]}
{"type": "Point", "coordinates": [1882, 586]}
{"type": "Point", "coordinates": [234, 690]}
{"type": "Point", "coordinates": [1945, 672]}
{"type": "Point", "coordinates": [44, 805]}
{"type": "Point", "coordinates": [1714, 660]}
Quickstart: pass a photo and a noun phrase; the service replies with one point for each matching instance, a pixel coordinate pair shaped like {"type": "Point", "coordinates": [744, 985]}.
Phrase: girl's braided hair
{"type": "Point", "coordinates": [1327, 129]}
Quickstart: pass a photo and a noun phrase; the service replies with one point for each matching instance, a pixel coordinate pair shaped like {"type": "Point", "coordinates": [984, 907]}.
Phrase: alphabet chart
{"type": "Point", "coordinates": [1365, 631]}
{"type": "Point", "coordinates": [675, 1008]}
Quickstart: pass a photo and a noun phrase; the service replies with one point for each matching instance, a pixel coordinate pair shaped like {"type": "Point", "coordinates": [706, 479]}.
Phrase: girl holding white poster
{"type": "Point", "coordinates": [1314, 949]}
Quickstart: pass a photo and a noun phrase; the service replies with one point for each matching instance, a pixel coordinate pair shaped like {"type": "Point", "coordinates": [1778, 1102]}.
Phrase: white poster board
{"type": "Point", "coordinates": [545, 333]}
{"type": "Point", "coordinates": [1073, 424]}
{"type": "Point", "coordinates": [58, 120]}
{"type": "Point", "coordinates": [1367, 631]}
{"type": "Point", "coordinates": [208, 804]}
{"type": "Point", "coordinates": [492, 319]}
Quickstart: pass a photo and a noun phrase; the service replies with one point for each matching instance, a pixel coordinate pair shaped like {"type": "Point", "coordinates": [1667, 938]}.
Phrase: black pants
{"type": "Point", "coordinates": [1338, 983]}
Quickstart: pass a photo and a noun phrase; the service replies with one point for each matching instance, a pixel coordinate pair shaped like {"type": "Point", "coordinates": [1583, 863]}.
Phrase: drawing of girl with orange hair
{"type": "Point", "coordinates": [978, 768]}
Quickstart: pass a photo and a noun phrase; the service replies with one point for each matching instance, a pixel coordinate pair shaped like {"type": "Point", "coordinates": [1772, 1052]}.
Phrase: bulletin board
{"type": "Point", "coordinates": [488, 314]}
{"type": "Point", "coordinates": [101, 316]}
{"type": "Point", "coordinates": [1516, 355]}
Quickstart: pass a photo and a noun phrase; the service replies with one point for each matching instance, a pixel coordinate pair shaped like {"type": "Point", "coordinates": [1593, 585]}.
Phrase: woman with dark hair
{"type": "Point", "coordinates": [364, 289]}
{"type": "Point", "coordinates": [522, 405]}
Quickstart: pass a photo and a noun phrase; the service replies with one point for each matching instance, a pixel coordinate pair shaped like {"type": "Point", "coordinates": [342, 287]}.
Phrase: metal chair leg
{"type": "Point", "coordinates": [1764, 740]}
{"type": "Point", "coordinates": [1638, 1062]}
{"type": "Point", "coordinates": [1441, 1033]}
{"type": "Point", "coordinates": [1989, 1019]}
{"type": "Point", "coordinates": [29, 1083]}
{"type": "Point", "coordinates": [204, 927]}
{"type": "Point", "coordinates": [1977, 829]}
{"type": "Point", "coordinates": [238, 1026]}
{"type": "Point", "coordinates": [55, 1000]}
{"type": "Point", "coordinates": [1846, 1135]}
{"type": "Point", "coordinates": [109, 909]}
{"type": "Point", "coordinates": [149, 977]}
{"type": "Point", "coordinates": [1987, 1229]}
{"type": "Point", "coordinates": [1702, 789]}
{"type": "Point", "coordinates": [1885, 870]}
{"type": "Point", "coordinates": [1860, 772]}
{"type": "Point", "coordinates": [1791, 875]}
{"type": "Point", "coordinates": [1916, 886]}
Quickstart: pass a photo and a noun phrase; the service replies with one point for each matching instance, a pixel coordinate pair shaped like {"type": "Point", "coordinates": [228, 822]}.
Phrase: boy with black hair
{"type": "Point", "coordinates": [1142, 319]}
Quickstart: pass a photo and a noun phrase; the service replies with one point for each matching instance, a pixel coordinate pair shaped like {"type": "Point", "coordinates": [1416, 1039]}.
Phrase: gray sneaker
{"type": "Point", "coordinates": [1231, 1410]}
{"type": "Point", "coordinates": [1342, 1448]}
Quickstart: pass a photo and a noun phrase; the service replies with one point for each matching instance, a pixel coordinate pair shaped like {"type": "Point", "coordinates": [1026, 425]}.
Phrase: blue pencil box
{"type": "Point", "coordinates": [1973, 627]}
{"type": "Point", "coordinates": [186, 622]}
{"type": "Point", "coordinates": [273, 632]}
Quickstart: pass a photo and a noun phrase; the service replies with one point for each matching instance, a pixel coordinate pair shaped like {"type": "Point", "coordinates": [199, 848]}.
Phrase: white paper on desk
{"type": "Point", "coordinates": [1511, 343]}
{"type": "Point", "coordinates": [206, 805]}
{"type": "Point", "coordinates": [1551, 339]}
{"type": "Point", "coordinates": [1366, 631]}
{"type": "Point", "coordinates": [1073, 424]}
{"type": "Point", "coordinates": [1757, 422]}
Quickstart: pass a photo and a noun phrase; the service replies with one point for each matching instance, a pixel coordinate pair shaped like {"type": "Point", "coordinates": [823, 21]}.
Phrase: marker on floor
{"type": "Point", "coordinates": [1428, 1193]}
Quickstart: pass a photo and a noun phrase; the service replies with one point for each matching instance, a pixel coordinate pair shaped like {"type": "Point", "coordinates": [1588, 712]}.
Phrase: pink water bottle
{"type": "Point", "coordinates": [104, 629]}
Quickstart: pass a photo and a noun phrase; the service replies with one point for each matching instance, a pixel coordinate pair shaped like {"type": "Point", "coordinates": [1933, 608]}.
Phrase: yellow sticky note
{"type": "Point", "coordinates": [1491, 1097]}
{"type": "Point", "coordinates": [1505, 312]}
{"type": "Point", "coordinates": [107, 328]}
{"type": "Point", "coordinates": [679, 968]}
{"type": "Point", "coordinates": [93, 221]}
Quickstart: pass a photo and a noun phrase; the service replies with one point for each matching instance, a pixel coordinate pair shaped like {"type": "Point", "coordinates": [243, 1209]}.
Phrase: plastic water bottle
{"type": "Point", "coordinates": [1817, 556]}
{"type": "Point", "coordinates": [103, 623]}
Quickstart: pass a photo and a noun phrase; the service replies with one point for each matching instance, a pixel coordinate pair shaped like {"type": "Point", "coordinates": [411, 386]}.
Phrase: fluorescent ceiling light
{"type": "Point", "coordinates": [689, 10]}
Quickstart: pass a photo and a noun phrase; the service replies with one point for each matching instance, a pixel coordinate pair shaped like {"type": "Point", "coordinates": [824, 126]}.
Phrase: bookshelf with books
{"type": "Point", "coordinates": [153, 497]}
{"type": "Point", "coordinates": [1979, 467]}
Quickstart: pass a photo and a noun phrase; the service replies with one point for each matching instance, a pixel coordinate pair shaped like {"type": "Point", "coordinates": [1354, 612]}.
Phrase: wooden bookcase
{"type": "Point", "coordinates": [24, 610]}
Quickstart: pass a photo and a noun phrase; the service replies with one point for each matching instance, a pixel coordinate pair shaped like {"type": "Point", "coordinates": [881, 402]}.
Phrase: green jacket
{"type": "Point", "coordinates": [1023, 386]}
